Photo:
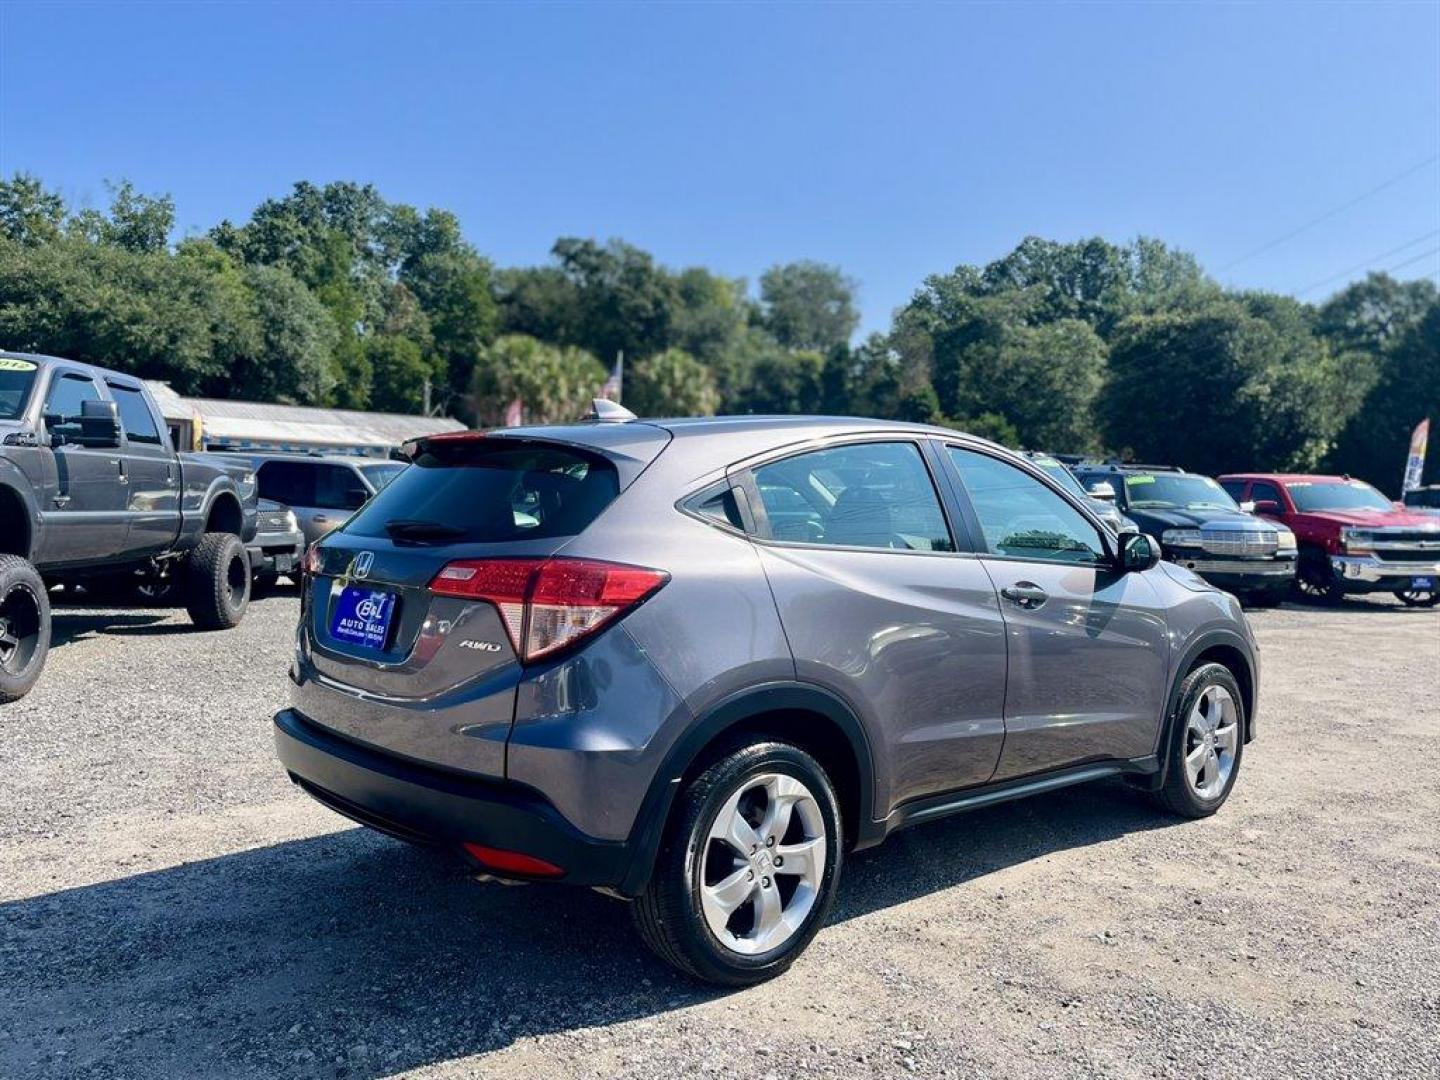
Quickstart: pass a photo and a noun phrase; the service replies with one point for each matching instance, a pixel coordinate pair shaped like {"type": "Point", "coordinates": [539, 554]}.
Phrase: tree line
{"type": "Point", "coordinates": [335, 296]}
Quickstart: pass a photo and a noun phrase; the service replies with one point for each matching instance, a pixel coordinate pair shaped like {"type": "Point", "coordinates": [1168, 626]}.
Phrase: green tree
{"type": "Point", "coordinates": [1374, 443]}
{"type": "Point", "coordinates": [670, 383]}
{"type": "Point", "coordinates": [1238, 384]}
{"type": "Point", "coordinates": [808, 305]}
{"type": "Point", "coordinates": [553, 383]}
{"type": "Point", "coordinates": [28, 213]}
{"type": "Point", "coordinates": [786, 382]}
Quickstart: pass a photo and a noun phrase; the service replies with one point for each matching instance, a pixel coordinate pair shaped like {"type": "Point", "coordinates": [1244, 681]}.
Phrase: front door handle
{"type": "Point", "coordinates": [1025, 594]}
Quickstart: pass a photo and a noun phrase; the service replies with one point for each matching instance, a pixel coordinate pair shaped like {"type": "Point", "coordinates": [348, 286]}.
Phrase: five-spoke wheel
{"type": "Point", "coordinates": [763, 860]}
{"type": "Point", "coordinates": [748, 867]}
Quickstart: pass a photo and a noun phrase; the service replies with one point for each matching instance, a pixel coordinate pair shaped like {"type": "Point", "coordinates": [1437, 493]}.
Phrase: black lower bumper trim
{"type": "Point", "coordinates": [429, 807]}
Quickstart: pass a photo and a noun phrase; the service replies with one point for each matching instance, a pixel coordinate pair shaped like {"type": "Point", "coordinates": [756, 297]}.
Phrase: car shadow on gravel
{"type": "Point", "coordinates": [353, 955]}
{"type": "Point", "coordinates": [67, 626]}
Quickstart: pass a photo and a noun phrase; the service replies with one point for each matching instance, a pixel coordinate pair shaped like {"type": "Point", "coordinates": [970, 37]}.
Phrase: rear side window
{"type": "Point", "coordinates": [874, 495]}
{"type": "Point", "coordinates": [135, 416]}
{"type": "Point", "coordinates": [287, 482]}
{"type": "Point", "coordinates": [483, 492]}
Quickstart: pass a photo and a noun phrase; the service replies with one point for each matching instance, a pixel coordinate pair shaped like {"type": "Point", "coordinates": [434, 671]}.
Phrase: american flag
{"type": "Point", "coordinates": [615, 383]}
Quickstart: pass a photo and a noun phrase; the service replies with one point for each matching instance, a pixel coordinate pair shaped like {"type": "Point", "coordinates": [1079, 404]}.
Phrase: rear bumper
{"type": "Point", "coordinates": [1366, 573]}
{"type": "Point", "coordinates": [427, 806]}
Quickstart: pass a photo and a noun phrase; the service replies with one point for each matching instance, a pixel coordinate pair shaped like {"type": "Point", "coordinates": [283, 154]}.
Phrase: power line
{"type": "Point", "coordinates": [1328, 214]}
{"type": "Point", "coordinates": [1368, 263]}
{"type": "Point", "coordinates": [1417, 258]}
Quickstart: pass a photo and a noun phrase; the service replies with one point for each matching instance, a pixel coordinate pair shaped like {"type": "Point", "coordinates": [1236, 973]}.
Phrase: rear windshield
{"type": "Point", "coordinates": [484, 493]}
{"type": "Point", "coordinates": [16, 378]}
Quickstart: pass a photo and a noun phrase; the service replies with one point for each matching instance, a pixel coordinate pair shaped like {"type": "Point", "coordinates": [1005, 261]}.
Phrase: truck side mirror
{"type": "Point", "coordinates": [99, 425]}
{"type": "Point", "coordinates": [1101, 489]}
{"type": "Point", "coordinates": [1266, 508]}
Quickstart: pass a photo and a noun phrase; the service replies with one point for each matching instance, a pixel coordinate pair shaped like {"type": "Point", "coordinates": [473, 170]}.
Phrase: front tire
{"type": "Point", "coordinates": [1315, 581]}
{"type": "Point", "coordinates": [217, 582]}
{"type": "Point", "coordinates": [748, 867]}
{"type": "Point", "coordinates": [1417, 597]}
{"type": "Point", "coordinates": [24, 627]}
{"type": "Point", "coordinates": [1207, 741]}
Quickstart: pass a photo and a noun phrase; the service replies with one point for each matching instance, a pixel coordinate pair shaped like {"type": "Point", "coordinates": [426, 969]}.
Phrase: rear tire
{"type": "Point", "coordinates": [217, 582]}
{"type": "Point", "coordinates": [24, 627]}
{"type": "Point", "coordinates": [1206, 743]}
{"type": "Point", "coordinates": [733, 917]}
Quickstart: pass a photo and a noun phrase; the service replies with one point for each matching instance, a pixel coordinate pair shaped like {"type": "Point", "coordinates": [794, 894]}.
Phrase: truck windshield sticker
{"type": "Point", "coordinates": [8, 363]}
{"type": "Point", "coordinates": [1134, 481]}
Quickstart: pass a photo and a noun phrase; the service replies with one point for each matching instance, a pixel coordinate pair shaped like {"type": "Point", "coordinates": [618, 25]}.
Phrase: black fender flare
{"type": "Point", "coordinates": [712, 724]}
{"type": "Point", "coordinates": [14, 482]}
{"type": "Point", "coordinates": [1203, 643]}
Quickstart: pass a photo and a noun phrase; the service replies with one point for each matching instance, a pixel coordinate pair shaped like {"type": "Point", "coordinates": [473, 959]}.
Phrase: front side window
{"type": "Point", "coordinates": [135, 416]}
{"type": "Point", "coordinates": [67, 395]}
{"type": "Point", "coordinates": [380, 475]}
{"type": "Point", "coordinates": [1021, 517]}
{"type": "Point", "coordinates": [1263, 492]}
{"type": "Point", "coordinates": [870, 495]}
{"type": "Point", "coordinates": [1311, 497]}
{"type": "Point", "coordinates": [339, 487]}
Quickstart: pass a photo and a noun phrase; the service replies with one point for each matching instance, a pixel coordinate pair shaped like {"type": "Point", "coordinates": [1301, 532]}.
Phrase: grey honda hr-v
{"type": "Point", "coordinates": [693, 663]}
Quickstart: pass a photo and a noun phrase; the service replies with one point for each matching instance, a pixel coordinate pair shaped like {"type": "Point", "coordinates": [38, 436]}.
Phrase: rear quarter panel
{"type": "Point", "coordinates": [592, 730]}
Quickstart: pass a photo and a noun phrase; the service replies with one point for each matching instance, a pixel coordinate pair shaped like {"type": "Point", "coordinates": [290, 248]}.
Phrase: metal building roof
{"type": "Point", "coordinates": [253, 421]}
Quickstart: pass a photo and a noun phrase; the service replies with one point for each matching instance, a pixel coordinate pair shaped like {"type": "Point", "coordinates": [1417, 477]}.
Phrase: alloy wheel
{"type": "Point", "coordinates": [764, 858]}
{"type": "Point", "coordinates": [1212, 737]}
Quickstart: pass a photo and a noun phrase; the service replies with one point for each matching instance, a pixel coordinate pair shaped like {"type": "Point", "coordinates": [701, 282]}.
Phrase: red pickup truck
{"type": "Point", "coordinates": [1351, 538]}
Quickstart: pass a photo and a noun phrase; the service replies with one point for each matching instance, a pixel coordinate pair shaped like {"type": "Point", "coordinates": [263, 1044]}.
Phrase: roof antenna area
{"type": "Point", "coordinates": [610, 412]}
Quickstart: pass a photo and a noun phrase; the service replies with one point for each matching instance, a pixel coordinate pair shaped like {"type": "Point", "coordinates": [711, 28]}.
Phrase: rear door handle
{"type": "Point", "coordinates": [1025, 594]}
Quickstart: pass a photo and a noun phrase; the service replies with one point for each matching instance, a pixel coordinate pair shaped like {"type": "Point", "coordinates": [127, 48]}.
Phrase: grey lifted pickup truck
{"type": "Point", "coordinates": [91, 493]}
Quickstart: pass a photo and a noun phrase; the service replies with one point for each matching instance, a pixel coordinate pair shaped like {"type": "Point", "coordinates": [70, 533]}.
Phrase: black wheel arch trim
{"type": "Point", "coordinates": [14, 483]}
{"type": "Point", "coordinates": [712, 724]}
{"type": "Point", "coordinates": [1204, 643]}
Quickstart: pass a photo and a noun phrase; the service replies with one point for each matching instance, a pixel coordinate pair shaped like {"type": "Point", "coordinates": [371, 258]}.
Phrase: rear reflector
{"type": "Point", "coordinates": [549, 604]}
{"type": "Point", "coordinates": [511, 862]}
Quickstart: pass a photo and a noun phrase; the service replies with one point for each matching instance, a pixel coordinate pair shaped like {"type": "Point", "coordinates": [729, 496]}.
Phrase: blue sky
{"type": "Point", "coordinates": [893, 140]}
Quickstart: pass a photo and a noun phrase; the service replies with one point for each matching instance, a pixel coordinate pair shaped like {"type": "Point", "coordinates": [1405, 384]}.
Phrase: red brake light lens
{"type": "Point", "coordinates": [549, 604]}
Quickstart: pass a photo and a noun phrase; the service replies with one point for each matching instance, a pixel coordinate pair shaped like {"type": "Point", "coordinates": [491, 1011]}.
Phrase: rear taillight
{"type": "Point", "coordinates": [549, 604]}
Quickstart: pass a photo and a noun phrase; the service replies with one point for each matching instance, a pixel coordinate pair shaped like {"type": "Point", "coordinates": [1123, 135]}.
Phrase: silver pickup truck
{"type": "Point", "coordinates": [92, 494]}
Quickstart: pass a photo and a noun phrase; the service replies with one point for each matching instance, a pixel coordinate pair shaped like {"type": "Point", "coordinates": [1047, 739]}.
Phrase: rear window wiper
{"type": "Point", "coordinates": [420, 531]}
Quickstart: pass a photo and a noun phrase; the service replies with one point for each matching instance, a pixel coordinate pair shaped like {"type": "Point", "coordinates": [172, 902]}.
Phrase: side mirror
{"type": "Point", "coordinates": [1138, 551]}
{"type": "Point", "coordinates": [1101, 489]}
{"type": "Point", "coordinates": [99, 425]}
{"type": "Point", "coordinates": [1264, 507]}
{"type": "Point", "coordinates": [356, 498]}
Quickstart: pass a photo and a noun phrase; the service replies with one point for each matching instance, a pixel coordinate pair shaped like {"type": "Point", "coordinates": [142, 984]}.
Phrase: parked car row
{"type": "Point", "coordinates": [1265, 536]}
{"type": "Point", "coordinates": [93, 497]}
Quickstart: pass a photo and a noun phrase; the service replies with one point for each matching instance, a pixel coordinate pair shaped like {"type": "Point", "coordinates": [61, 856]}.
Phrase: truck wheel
{"type": "Point", "coordinates": [24, 627]}
{"type": "Point", "coordinates": [1417, 597]}
{"type": "Point", "coordinates": [217, 582]}
{"type": "Point", "coordinates": [748, 868]}
{"type": "Point", "coordinates": [1314, 581]}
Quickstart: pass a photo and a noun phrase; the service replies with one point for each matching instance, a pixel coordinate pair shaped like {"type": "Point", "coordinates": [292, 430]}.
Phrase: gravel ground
{"type": "Point", "coordinates": [170, 905]}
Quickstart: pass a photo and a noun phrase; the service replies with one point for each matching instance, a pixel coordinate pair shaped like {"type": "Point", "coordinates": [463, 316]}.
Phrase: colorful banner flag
{"type": "Point", "coordinates": [1415, 463]}
{"type": "Point", "coordinates": [515, 413]}
{"type": "Point", "coordinates": [615, 384]}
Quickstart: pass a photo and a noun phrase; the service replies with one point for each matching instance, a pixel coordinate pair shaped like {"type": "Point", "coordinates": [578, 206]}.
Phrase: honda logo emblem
{"type": "Point", "coordinates": [360, 568]}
